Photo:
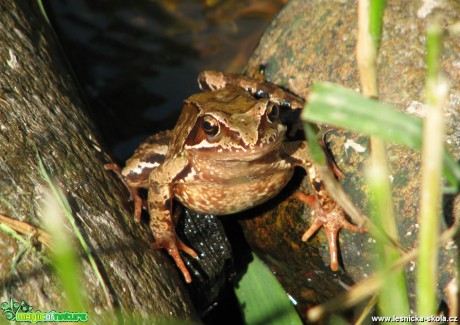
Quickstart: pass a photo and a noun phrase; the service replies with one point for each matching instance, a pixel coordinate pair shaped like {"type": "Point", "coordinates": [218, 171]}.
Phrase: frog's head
{"type": "Point", "coordinates": [232, 125]}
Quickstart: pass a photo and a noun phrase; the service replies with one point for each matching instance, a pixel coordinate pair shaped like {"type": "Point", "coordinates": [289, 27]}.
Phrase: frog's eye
{"type": "Point", "coordinates": [210, 125]}
{"type": "Point", "coordinates": [272, 113]}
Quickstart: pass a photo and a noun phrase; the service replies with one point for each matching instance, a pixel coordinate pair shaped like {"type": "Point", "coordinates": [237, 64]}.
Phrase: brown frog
{"type": "Point", "coordinates": [227, 153]}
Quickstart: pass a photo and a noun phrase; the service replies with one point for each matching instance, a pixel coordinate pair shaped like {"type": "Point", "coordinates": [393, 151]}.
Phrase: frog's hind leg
{"type": "Point", "coordinates": [133, 191]}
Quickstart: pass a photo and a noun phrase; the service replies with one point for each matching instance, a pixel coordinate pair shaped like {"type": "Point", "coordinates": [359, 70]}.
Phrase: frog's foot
{"type": "Point", "coordinates": [332, 222]}
{"type": "Point", "coordinates": [133, 191]}
{"type": "Point", "coordinates": [173, 245]}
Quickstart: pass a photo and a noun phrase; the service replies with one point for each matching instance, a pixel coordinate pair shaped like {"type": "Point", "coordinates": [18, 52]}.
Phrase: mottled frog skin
{"type": "Point", "coordinates": [227, 153]}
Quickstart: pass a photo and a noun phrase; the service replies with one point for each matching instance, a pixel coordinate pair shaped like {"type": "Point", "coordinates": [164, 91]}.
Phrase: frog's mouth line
{"type": "Point", "coordinates": [217, 152]}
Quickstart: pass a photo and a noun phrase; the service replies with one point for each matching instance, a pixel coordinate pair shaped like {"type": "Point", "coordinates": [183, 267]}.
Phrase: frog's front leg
{"type": "Point", "coordinates": [160, 200]}
{"type": "Point", "coordinates": [327, 212]}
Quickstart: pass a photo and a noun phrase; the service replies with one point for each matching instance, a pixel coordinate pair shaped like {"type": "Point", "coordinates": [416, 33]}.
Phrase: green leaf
{"type": "Point", "coordinates": [262, 298]}
{"type": "Point", "coordinates": [334, 105]}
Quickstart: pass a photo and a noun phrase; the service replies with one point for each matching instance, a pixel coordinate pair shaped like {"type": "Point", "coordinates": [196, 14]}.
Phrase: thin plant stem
{"type": "Point", "coordinates": [431, 192]}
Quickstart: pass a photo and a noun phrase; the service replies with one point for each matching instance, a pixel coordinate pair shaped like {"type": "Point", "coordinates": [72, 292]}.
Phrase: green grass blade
{"type": "Point", "coordinates": [431, 192]}
{"type": "Point", "coordinates": [63, 256]}
{"type": "Point", "coordinates": [376, 10]}
{"type": "Point", "coordinates": [262, 298]}
{"type": "Point", "coordinates": [340, 107]}
{"type": "Point", "coordinates": [329, 103]}
{"type": "Point", "coordinates": [393, 299]}
{"type": "Point", "coordinates": [14, 234]}
{"type": "Point", "coordinates": [64, 205]}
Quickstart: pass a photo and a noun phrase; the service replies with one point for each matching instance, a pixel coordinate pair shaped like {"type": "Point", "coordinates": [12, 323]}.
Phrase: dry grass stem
{"type": "Point", "coordinates": [27, 229]}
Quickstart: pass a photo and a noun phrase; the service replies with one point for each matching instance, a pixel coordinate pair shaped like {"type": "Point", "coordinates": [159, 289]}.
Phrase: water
{"type": "Point", "coordinates": [138, 60]}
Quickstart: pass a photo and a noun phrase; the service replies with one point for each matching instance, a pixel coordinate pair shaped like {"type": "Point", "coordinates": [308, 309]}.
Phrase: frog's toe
{"type": "Point", "coordinates": [331, 223]}
{"type": "Point", "coordinates": [331, 233]}
{"type": "Point", "coordinates": [334, 222]}
{"type": "Point", "coordinates": [351, 227]}
{"type": "Point", "coordinates": [173, 247]}
{"type": "Point", "coordinates": [311, 231]}
{"type": "Point", "coordinates": [308, 199]}
{"type": "Point", "coordinates": [181, 246]}
{"type": "Point", "coordinates": [113, 167]}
